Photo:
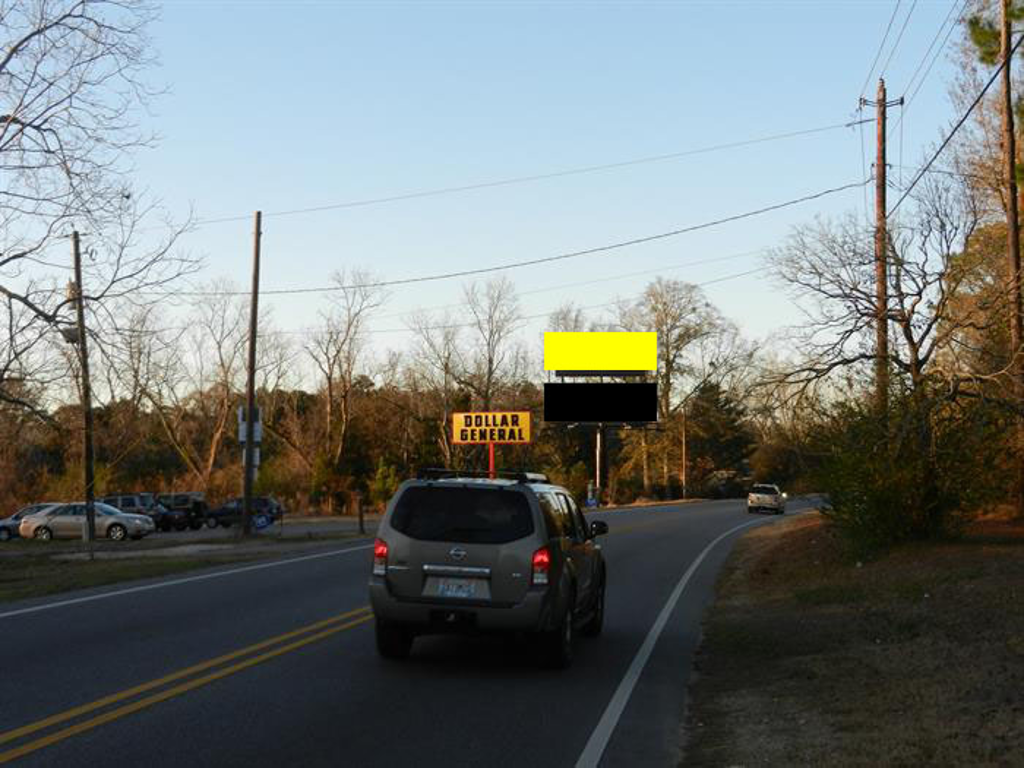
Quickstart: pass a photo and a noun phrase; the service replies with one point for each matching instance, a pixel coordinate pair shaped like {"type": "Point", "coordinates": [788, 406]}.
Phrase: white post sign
{"type": "Point", "coordinates": [257, 428]}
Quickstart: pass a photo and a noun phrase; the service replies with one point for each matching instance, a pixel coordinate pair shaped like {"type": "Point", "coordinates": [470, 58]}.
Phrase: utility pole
{"type": "Point", "coordinates": [1012, 249]}
{"type": "Point", "coordinates": [683, 458]}
{"type": "Point", "coordinates": [881, 255]}
{"type": "Point", "coordinates": [83, 357]}
{"type": "Point", "coordinates": [250, 384]}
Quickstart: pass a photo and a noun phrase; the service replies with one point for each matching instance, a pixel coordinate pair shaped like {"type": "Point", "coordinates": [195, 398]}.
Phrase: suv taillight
{"type": "Point", "coordinates": [541, 565]}
{"type": "Point", "coordinates": [380, 557]}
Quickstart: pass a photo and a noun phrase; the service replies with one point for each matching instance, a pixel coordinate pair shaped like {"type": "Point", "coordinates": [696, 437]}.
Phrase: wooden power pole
{"type": "Point", "coordinates": [83, 357]}
{"type": "Point", "coordinates": [1012, 250]}
{"type": "Point", "coordinates": [881, 255]}
{"type": "Point", "coordinates": [250, 385]}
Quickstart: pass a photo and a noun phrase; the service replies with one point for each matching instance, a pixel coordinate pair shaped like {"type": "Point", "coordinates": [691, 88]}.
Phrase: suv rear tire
{"type": "Point", "coordinates": [393, 641]}
{"type": "Point", "coordinates": [596, 621]}
{"type": "Point", "coordinates": [557, 644]}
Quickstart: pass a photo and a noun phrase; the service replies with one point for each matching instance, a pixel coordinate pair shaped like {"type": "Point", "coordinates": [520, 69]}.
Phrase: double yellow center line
{"type": "Point", "coordinates": [279, 645]}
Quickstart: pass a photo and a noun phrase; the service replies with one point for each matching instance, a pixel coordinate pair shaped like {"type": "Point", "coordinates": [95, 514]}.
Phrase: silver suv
{"type": "Point", "coordinates": [465, 554]}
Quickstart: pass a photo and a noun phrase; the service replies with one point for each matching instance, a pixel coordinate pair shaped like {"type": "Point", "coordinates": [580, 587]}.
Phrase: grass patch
{"type": "Point", "coordinates": [830, 594]}
{"type": "Point", "coordinates": [38, 576]}
{"type": "Point", "coordinates": [811, 658]}
{"type": "Point", "coordinates": [31, 547]}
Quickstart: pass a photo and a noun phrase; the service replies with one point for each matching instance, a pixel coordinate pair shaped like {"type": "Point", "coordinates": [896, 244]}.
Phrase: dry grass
{"type": "Point", "coordinates": [914, 659]}
{"type": "Point", "coordinates": [39, 576]}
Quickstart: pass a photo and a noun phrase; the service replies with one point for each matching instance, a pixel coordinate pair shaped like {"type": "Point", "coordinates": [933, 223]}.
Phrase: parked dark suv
{"type": "Point", "coordinates": [146, 504]}
{"type": "Point", "coordinates": [191, 503]}
{"type": "Point", "coordinates": [230, 512]}
{"type": "Point", "coordinates": [468, 554]}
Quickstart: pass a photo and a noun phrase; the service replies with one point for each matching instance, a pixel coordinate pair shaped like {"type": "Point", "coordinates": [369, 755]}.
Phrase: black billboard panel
{"type": "Point", "coordinates": [601, 401]}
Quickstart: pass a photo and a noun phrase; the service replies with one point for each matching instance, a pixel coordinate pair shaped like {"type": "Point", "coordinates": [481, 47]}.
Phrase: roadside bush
{"type": "Point", "coordinates": [919, 476]}
{"type": "Point", "coordinates": [385, 483]}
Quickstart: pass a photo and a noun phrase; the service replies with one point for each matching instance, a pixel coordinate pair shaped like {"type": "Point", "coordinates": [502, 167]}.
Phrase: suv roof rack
{"type": "Point", "coordinates": [440, 473]}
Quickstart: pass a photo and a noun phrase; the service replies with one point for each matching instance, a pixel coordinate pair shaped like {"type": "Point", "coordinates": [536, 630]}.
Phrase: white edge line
{"type": "Point", "coordinates": [599, 739]}
{"type": "Point", "coordinates": [175, 582]}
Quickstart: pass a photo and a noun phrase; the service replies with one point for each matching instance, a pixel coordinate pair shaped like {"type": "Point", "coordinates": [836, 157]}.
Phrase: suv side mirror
{"type": "Point", "coordinates": [598, 528]}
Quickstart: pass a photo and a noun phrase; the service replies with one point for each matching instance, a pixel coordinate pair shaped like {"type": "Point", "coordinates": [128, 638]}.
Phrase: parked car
{"type": "Point", "coordinates": [66, 521]}
{"type": "Point", "coordinates": [146, 504]}
{"type": "Point", "coordinates": [230, 512]}
{"type": "Point", "coordinates": [468, 554]}
{"type": "Point", "coordinates": [766, 497]}
{"type": "Point", "coordinates": [191, 503]}
{"type": "Point", "coordinates": [9, 525]}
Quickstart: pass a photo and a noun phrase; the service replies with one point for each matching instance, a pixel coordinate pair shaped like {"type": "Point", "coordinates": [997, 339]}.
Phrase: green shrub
{"type": "Point", "coordinates": [917, 475]}
{"type": "Point", "coordinates": [384, 484]}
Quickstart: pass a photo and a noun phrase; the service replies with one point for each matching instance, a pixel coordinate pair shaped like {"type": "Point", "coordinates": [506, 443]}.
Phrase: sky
{"type": "Point", "coordinates": [280, 107]}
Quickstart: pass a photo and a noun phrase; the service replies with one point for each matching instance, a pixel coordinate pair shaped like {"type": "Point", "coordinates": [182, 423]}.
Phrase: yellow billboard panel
{"type": "Point", "coordinates": [490, 427]}
{"type": "Point", "coordinates": [601, 351]}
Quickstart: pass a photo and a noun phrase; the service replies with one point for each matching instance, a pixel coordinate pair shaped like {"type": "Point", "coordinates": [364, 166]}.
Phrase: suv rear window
{"type": "Point", "coordinates": [770, 490]}
{"type": "Point", "coordinates": [465, 515]}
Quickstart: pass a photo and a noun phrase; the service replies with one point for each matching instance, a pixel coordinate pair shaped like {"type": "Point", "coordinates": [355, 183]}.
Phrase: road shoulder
{"type": "Point", "coordinates": [809, 658]}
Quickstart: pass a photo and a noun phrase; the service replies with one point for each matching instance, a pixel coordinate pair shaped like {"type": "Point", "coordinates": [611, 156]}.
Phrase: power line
{"type": "Point", "coordinates": [881, 45]}
{"type": "Point", "coordinates": [951, 172]}
{"type": "Point", "coordinates": [310, 329]}
{"type": "Point", "coordinates": [864, 165]}
{"type": "Point", "coordinates": [538, 315]}
{"type": "Point", "coordinates": [529, 262]}
{"type": "Point", "coordinates": [938, 33]}
{"type": "Point", "coordinates": [577, 284]}
{"type": "Point", "coordinates": [935, 57]}
{"type": "Point", "coordinates": [534, 177]}
{"type": "Point", "coordinates": [960, 122]}
{"type": "Point", "coordinates": [950, 15]}
{"type": "Point", "coordinates": [899, 37]}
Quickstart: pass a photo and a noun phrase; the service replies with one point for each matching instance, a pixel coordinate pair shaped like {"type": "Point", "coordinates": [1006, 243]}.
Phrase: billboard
{"type": "Point", "coordinates": [601, 402]}
{"type": "Point", "coordinates": [600, 351]}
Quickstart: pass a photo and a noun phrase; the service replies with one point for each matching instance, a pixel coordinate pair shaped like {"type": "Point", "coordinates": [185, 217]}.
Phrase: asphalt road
{"type": "Point", "coordinates": [274, 664]}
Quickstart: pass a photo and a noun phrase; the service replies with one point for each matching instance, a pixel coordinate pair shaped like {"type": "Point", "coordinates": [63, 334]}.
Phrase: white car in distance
{"type": "Point", "coordinates": [767, 498]}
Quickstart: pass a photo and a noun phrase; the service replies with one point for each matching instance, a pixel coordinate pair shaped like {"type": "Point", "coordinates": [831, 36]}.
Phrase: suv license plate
{"type": "Point", "coordinates": [456, 588]}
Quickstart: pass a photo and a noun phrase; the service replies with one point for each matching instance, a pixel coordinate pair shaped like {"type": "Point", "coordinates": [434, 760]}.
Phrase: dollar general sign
{"type": "Point", "coordinates": [491, 427]}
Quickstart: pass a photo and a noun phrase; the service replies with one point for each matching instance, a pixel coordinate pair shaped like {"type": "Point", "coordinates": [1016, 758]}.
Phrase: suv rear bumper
{"type": "Point", "coordinates": [452, 616]}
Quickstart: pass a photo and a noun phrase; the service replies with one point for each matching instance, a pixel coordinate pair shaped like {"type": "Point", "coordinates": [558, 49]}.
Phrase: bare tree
{"type": "Point", "coordinates": [337, 349]}
{"type": "Point", "coordinates": [435, 372]}
{"type": "Point", "coordinates": [495, 317]}
{"type": "Point", "coordinates": [70, 81]}
{"type": "Point", "coordinates": [829, 265]}
{"type": "Point", "coordinates": [567, 317]}
{"type": "Point", "coordinates": [192, 378]}
{"type": "Point", "coordinates": [692, 340]}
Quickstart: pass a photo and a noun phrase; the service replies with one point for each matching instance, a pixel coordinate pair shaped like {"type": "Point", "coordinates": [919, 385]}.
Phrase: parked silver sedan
{"type": "Point", "coordinates": [67, 521]}
{"type": "Point", "coordinates": [9, 525]}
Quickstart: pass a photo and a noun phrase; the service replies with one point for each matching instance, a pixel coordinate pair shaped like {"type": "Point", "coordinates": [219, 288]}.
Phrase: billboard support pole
{"type": "Point", "coordinates": [490, 461]}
